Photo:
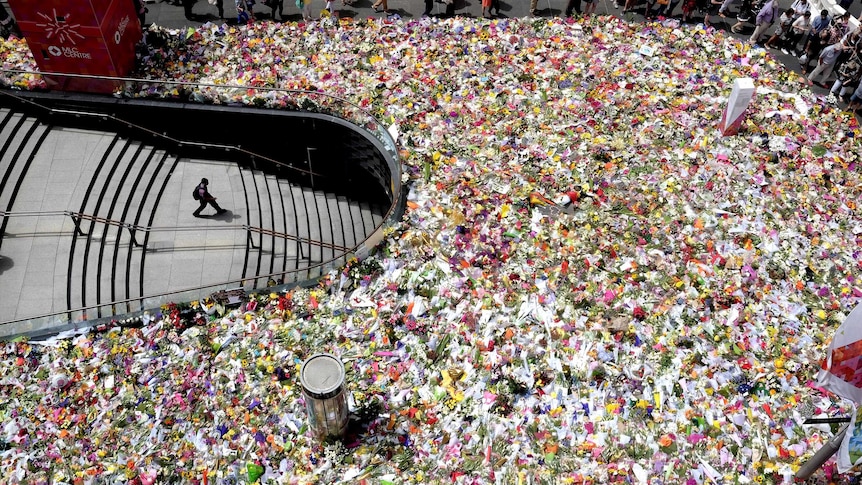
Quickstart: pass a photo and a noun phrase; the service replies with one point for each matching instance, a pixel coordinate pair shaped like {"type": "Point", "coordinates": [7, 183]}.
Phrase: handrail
{"type": "Point", "coordinates": [32, 213]}
{"type": "Point", "coordinates": [135, 227]}
{"type": "Point", "coordinates": [215, 86]}
{"type": "Point", "coordinates": [162, 136]}
{"type": "Point", "coordinates": [157, 295]}
{"type": "Point", "coordinates": [371, 124]}
{"type": "Point", "coordinates": [290, 237]}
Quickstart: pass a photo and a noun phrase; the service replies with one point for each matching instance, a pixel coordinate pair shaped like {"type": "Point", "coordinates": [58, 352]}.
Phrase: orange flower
{"type": "Point", "coordinates": [665, 441]}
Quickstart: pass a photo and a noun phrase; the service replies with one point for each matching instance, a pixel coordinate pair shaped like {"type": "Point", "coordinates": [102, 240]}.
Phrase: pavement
{"type": "Point", "coordinates": [166, 14]}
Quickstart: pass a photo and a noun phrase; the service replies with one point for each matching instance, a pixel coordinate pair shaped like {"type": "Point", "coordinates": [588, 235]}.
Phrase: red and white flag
{"type": "Point", "coordinates": [841, 373]}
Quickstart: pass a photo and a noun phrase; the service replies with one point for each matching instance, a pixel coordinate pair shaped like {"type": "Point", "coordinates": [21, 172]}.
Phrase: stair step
{"type": "Point", "coordinates": [292, 216]}
{"type": "Point", "coordinates": [16, 151]}
{"type": "Point", "coordinates": [338, 228]}
{"type": "Point", "coordinates": [120, 240]}
{"type": "Point", "coordinates": [277, 250]}
{"type": "Point", "coordinates": [327, 231]}
{"type": "Point", "coordinates": [349, 231]}
{"type": "Point", "coordinates": [314, 224]}
{"type": "Point", "coordinates": [367, 219]}
{"type": "Point", "coordinates": [99, 204]}
{"type": "Point", "coordinates": [303, 221]}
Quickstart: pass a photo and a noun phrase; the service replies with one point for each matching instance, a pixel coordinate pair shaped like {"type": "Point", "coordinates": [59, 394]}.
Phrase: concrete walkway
{"type": "Point", "coordinates": [45, 267]}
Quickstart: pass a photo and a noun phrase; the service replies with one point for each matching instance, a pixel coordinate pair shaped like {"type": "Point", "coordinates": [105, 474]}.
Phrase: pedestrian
{"type": "Point", "coordinates": [710, 7]}
{"type": "Point", "coordinates": [799, 7]}
{"type": "Point", "coordinates": [746, 11]}
{"type": "Point", "coordinates": [666, 9]}
{"type": "Point", "coordinates": [818, 24]}
{"type": "Point", "coordinates": [534, 4]}
{"type": "Point", "coordinates": [378, 4]}
{"type": "Point", "coordinates": [573, 5]}
{"type": "Point", "coordinates": [244, 11]}
{"type": "Point", "coordinates": [784, 23]}
{"type": "Point", "coordinates": [798, 30]}
{"type": "Point", "coordinates": [590, 7]}
{"type": "Point", "coordinates": [849, 74]}
{"type": "Point", "coordinates": [815, 45]}
{"type": "Point", "coordinates": [304, 6]}
{"type": "Point", "coordinates": [276, 5]}
{"type": "Point", "coordinates": [826, 62]}
{"type": "Point", "coordinates": [202, 195]}
{"type": "Point", "coordinates": [764, 20]}
{"type": "Point", "coordinates": [220, 7]}
{"type": "Point", "coordinates": [856, 99]}
{"type": "Point", "coordinates": [486, 9]}
{"type": "Point", "coordinates": [141, 9]}
{"type": "Point", "coordinates": [187, 9]}
{"type": "Point", "coordinates": [7, 24]}
{"type": "Point", "coordinates": [688, 7]}
{"type": "Point", "coordinates": [429, 7]}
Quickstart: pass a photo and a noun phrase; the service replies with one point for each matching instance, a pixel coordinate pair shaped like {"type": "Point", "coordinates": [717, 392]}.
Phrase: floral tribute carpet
{"type": "Point", "coordinates": [665, 327]}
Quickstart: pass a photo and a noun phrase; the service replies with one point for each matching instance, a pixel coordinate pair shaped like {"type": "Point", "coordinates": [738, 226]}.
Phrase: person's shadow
{"type": "Point", "coordinates": [226, 216]}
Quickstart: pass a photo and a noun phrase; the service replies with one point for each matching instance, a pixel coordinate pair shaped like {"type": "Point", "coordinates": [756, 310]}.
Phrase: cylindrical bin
{"type": "Point", "coordinates": [322, 378]}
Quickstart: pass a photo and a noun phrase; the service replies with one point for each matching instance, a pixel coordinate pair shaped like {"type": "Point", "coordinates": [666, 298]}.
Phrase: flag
{"type": "Point", "coordinates": [841, 374]}
{"type": "Point", "coordinates": [850, 451]}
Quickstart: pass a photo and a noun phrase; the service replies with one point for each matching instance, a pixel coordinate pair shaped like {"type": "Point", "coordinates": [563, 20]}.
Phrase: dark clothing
{"type": "Point", "coordinates": [573, 5]}
{"type": "Point", "coordinates": [141, 9]}
{"type": "Point", "coordinates": [204, 197]}
{"type": "Point", "coordinates": [429, 6]}
{"type": "Point", "coordinates": [187, 9]}
{"type": "Point", "coordinates": [276, 5]}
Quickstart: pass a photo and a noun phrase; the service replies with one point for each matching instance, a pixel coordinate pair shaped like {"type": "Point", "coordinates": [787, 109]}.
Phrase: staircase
{"type": "Point", "coordinates": [79, 202]}
{"type": "Point", "coordinates": [299, 226]}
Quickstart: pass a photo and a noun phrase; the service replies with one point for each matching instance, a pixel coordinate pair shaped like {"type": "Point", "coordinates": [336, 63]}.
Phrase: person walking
{"type": "Point", "coordinates": [573, 5]}
{"type": "Point", "coordinates": [849, 74]}
{"type": "Point", "coordinates": [187, 9]}
{"type": "Point", "coordinates": [826, 62]}
{"type": "Point", "coordinates": [818, 24]}
{"type": "Point", "coordinates": [202, 195]}
{"type": "Point", "coordinates": [381, 3]}
{"type": "Point", "coordinates": [799, 7]}
{"type": "Point", "coordinates": [798, 30]}
{"type": "Point", "coordinates": [746, 11]}
{"type": "Point", "coordinates": [784, 23]}
{"type": "Point", "coordinates": [276, 6]}
{"type": "Point", "coordinates": [764, 20]}
{"type": "Point", "coordinates": [141, 9]}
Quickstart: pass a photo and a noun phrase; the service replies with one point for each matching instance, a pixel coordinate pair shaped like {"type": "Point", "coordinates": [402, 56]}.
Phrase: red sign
{"type": "Point", "coordinates": [95, 37]}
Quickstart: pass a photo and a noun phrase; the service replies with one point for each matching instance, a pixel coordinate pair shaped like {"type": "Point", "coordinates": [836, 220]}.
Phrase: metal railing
{"type": "Point", "coordinates": [298, 100]}
{"type": "Point", "coordinates": [162, 136]}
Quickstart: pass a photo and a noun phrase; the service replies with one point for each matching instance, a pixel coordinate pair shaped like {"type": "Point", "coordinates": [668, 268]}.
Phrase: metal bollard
{"type": "Point", "coordinates": [322, 378]}
{"type": "Point", "coordinates": [815, 462]}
